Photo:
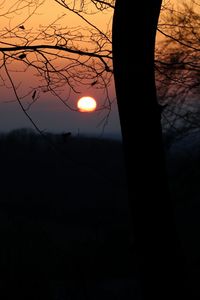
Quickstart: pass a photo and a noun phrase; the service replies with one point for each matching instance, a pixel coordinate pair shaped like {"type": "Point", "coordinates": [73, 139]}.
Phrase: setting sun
{"type": "Point", "coordinates": [86, 104]}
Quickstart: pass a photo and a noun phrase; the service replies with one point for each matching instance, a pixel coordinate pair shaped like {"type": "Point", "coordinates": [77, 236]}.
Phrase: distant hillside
{"type": "Point", "coordinates": [63, 210]}
{"type": "Point", "coordinates": [65, 219]}
{"type": "Point", "coordinates": [72, 170]}
{"type": "Point", "coordinates": [183, 164]}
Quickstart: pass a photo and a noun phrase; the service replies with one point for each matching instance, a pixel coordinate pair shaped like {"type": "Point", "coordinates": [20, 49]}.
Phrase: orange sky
{"type": "Point", "coordinates": [46, 14]}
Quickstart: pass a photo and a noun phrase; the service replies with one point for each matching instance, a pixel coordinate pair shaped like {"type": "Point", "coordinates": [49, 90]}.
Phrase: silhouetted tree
{"type": "Point", "coordinates": [87, 55]}
{"type": "Point", "coordinates": [85, 51]}
{"type": "Point", "coordinates": [177, 66]}
{"type": "Point", "coordinates": [152, 209]}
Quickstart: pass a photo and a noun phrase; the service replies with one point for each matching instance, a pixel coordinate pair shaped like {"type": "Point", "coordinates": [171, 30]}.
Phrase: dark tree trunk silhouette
{"type": "Point", "coordinates": [134, 31]}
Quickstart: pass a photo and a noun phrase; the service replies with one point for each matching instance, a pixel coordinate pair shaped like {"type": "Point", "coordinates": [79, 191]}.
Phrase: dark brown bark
{"type": "Point", "coordinates": [134, 31]}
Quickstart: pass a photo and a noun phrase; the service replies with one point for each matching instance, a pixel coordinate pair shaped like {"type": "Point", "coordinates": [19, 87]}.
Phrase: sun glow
{"type": "Point", "coordinates": [86, 104]}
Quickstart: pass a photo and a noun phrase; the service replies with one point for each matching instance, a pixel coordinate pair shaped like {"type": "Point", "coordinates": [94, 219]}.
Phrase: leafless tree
{"type": "Point", "coordinates": [62, 59]}
{"type": "Point", "coordinates": [178, 65]}
{"type": "Point", "coordinates": [87, 59]}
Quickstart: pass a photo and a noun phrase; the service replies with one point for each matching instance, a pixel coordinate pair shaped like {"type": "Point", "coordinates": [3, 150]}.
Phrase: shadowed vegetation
{"type": "Point", "coordinates": [65, 226]}
{"type": "Point", "coordinates": [64, 215]}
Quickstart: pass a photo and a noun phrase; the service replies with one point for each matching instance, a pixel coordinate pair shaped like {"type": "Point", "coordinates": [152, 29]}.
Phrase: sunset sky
{"type": "Point", "coordinates": [48, 112]}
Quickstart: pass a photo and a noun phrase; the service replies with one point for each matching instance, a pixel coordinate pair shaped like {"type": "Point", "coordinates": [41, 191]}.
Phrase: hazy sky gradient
{"type": "Point", "coordinates": [48, 112]}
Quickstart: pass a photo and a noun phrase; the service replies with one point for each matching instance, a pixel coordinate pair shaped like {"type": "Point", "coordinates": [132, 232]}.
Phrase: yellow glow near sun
{"type": "Point", "coordinates": [86, 104]}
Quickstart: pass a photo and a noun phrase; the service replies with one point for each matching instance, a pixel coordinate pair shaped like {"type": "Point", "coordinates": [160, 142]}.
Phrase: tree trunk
{"type": "Point", "coordinates": [134, 32]}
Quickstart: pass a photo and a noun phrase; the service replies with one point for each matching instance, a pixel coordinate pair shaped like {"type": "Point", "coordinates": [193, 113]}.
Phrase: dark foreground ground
{"type": "Point", "coordinates": [64, 217]}
{"type": "Point", "coordinates": [64, 224]}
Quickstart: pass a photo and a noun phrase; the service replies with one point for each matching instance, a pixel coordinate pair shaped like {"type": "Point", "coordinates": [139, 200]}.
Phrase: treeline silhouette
{"type": "Point", "coordinates": [64, 217]}
{"type": "Point", "coordinates": [183, 165]}
{"type": "Point", "coordinates": [65, 228]}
